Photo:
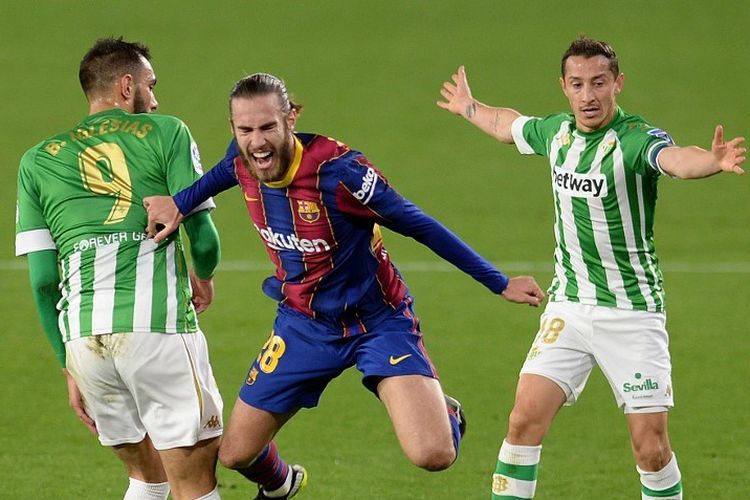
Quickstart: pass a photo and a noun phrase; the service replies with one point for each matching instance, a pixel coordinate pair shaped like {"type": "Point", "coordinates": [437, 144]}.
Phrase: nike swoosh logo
{"type": "Point", "coordinates": [395, 361]}
{"type": "Point", "coordinates": [250, 199]}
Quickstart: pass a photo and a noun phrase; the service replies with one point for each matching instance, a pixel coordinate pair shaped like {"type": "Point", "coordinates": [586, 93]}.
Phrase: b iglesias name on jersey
{"type": "Point", "coordinates": [321, 227]}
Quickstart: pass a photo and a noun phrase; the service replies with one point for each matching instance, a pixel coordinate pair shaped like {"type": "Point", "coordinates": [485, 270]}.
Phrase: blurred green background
{"type": "Point", "coordinates": [369, 74]}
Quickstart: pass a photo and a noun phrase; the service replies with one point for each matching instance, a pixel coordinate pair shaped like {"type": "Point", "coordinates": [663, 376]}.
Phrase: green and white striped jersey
{"type": "Point", "coordinates": [604, 186]}
{"type": "Point", "coordinates": [80, 193]}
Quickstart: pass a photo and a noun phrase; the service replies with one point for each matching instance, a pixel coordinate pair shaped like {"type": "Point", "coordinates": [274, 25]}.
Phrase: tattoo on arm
{"type": "Point", "coordinates": [471, 110]}
{"type": "Point", "coordinates": [496, 122]}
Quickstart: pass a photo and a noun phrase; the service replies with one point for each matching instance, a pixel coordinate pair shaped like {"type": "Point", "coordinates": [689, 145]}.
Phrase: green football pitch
{"type": "Point", "coordinates": [369, 74]}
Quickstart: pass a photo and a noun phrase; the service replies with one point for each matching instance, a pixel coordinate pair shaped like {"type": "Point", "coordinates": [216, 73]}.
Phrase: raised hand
{"type": "Point", "coordinates": [523, 290]}
{"type": "Point", "coordinates": [457, 95]}
{"type": "Point", "coordinates": [728, 155]}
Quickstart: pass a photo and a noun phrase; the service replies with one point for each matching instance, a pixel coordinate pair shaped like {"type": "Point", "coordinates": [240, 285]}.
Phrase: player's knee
{"type": "Point", "coordinates": [234, 458]}
{"type": "Point", "coordinates": [652, 455]}
{"type": "Point", "coordinates": [433, 459]}
{"type": "Point", "coordinates": [525, 428]}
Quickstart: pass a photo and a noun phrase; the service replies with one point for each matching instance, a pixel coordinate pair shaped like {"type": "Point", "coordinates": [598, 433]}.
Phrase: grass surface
{"type": "Point", "coordinates": [368, 74]}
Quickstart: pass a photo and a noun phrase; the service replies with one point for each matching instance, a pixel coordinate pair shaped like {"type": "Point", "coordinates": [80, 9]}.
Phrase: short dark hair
{"type": "Point", "coordinates": [263, 84]}
{"type": "Point", "coordinates": [588, 47]}
{"type": "Point", "coordinates": [109, 59]}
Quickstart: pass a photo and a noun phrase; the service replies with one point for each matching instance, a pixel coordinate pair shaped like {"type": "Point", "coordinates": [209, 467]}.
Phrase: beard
{"type": "Point", "coordinates": [140, 104]}
{"type": "Point", "coordinates": [281, 158]}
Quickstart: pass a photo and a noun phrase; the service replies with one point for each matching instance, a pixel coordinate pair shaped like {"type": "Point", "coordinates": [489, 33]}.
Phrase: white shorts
{"type": "Point", "coordinates": [158, 384]}
{"type": "Point", "coordinates": [630, 347]}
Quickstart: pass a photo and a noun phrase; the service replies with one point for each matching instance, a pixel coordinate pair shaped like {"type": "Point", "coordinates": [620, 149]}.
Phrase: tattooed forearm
{"type": "Point", "coordinates": [496, 122]}
{"type": "Point", "coordinates": [471, 110]}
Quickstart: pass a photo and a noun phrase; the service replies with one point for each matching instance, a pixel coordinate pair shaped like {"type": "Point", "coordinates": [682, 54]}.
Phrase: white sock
{"type": "Point", "coordinates": [665, 484]}
{"type": "Point", "coordinates": [283, 489]}
{"type": "Point", "coordinates": [211, 495]}
{"type": "Point", "coordinates": [138, 490]}
{"type": "Point", "coordinates": [516, 471]}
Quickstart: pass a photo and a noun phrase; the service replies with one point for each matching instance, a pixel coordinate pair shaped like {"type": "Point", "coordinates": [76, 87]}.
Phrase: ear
{"type": "Point", "coordinates": [231, 126]}
{"type": "Point", "coordinates": [562, 86]}
{"type": "Point", "coordinates": [619, 81]}
{"type": "Point", "coordinates": [126, 86]}
{"type": "Point", "coordinates": [291, 118]}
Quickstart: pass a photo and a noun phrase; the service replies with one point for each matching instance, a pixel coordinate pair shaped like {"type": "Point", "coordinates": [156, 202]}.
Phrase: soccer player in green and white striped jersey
{"type": "Point", "coordinates": [606, 299]}
{"type": "Point", "coordinates": [126, 334]}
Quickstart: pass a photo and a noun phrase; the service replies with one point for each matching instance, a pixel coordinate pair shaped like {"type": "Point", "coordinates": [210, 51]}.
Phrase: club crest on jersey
{"type": "Point", "coordinates": [606, 147]}
{"type": "Point", "coordinates": [564, 139]}
{"type": "Point", "coordinates": [308, 210]}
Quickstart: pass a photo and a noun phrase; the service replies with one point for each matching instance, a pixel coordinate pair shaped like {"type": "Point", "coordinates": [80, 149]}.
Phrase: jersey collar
{"type": "Point", "coordinates": [292, 170]}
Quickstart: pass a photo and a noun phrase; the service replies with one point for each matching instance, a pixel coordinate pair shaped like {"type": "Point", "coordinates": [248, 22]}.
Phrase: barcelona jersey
{"type": "Point", "coordinates": [320, 225]}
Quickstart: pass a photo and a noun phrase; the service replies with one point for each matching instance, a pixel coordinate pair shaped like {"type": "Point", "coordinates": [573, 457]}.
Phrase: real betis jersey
{"type": "Point", "coordinates": [80, 193]}
{"type": "Point", "coordinates": [604, 186]}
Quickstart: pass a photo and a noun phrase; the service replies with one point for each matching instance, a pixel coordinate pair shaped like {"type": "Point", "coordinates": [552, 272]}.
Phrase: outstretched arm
{"type": "Point", "coordinates": [496, 122]}
{"type": "Point", "coordinates": [693, 162]}
{"type": "Point", "coordinates": [411, 221]}
{"type": "Point", "coordinates": [165, 213]}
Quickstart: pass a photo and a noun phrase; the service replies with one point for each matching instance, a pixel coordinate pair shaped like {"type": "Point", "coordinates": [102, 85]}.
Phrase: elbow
{"type": "Point", "coordinates": [45, 286]}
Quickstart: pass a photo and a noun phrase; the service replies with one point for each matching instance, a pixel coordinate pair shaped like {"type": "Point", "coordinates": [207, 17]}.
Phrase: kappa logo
{"type": "Point", "coordinates": [252, 376]}
{"type": "Point", "coordinates": [212, 423]}
{"type": "Point", "coordinates": [394, 361]}
{"type": "Point", "coordinates": [580, 185]}
{"type": "Point", "coordinates": [308, 211]}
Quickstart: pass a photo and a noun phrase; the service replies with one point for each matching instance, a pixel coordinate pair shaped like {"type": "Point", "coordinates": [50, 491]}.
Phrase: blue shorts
{"type": "Point", "coordinates": [303, 355]}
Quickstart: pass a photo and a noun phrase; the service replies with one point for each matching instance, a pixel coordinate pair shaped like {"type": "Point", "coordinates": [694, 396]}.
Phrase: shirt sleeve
{"type": "Point", "coordinates": [527, 132]}
{"type": "Point", "coordinates": [655, 141]}
{"type": "Point", "coordinates": [184, 165]}
{"type": "Point", "coordinates": [364, 192]}
{"type": "Point", "coordinates": [45, 281]}
{"type": "Point", "coordinates": [32, 231]}
{"type": "Point", "coordinates": [220, 178]}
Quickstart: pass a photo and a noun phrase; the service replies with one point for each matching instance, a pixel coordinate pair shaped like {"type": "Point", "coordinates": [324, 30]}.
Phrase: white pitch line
{"type": "Point", "coordinates": [445, 267]}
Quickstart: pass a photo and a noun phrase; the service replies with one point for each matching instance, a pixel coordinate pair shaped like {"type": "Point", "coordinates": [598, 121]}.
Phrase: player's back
{"type": "Point", "coordinates": [84, 188]}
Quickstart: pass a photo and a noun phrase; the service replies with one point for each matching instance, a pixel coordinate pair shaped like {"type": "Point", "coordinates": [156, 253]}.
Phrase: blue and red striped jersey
{"type": "Point", "coordinates": [320, 225]}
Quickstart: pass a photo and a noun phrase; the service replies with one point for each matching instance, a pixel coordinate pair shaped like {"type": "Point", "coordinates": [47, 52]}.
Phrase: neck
{"type": "Point", "coordinates": [103, 103]}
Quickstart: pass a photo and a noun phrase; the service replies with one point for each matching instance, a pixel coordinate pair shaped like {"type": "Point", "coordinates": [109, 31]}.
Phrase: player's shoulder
{"type": "Point", "coordinates": [163, 122]}
{"type": "Point", "coordinates": [555, 118]}
{"type": "Point", "coordinates": [331, 153]}
{"type": "Point", "coordinates": [636, 127]}
{"type": "Point", "coordinates": [550, 124]}
{"type": "Point", "coordinates": [50, 146]}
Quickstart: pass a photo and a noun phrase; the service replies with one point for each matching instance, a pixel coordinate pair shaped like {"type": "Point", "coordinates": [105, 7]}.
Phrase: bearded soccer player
{"type": "Point", "coordinates": [606, 303]}
{"type": "Point", "coordinates": [127, 334]}
{"type": "Point", "coordinates": [318, 205]}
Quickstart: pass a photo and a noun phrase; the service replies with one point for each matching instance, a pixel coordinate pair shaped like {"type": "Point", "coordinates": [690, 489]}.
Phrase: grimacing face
{"type": "Point", "coordinates": [264, 135]}
{"type": "Point", "coordinates": [591, 89]}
